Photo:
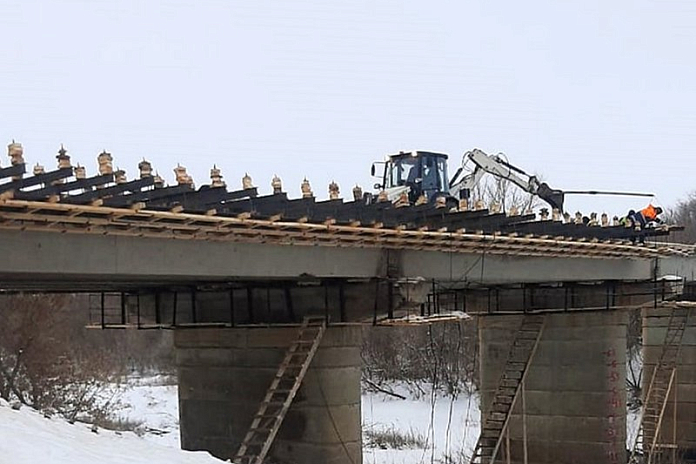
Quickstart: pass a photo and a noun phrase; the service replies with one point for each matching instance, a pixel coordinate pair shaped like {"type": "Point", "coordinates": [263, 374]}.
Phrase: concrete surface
{"type": "Point", "coordinates": [224, 374]}
{"type": "Point", "coordinates": [38, 258]}
{"type": "Point", "coordinates": [655, 323]}
{"type": "Point", "coordinates": [575, 394]}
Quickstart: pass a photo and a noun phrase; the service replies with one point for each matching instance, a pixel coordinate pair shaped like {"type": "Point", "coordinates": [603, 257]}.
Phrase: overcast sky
{"type": "Point", "coordinates": [590, 94]}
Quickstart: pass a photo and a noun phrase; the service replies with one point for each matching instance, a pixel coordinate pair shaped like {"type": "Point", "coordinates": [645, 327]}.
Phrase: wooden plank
{"type": "Point", "coordinates": [338, 235]}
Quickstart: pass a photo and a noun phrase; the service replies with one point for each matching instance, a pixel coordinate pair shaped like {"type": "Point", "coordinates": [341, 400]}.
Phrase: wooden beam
{"type": "Point", "coordinates": [45, 178]}
{"type": "Point", "coordinates": [78, 184]}
{"type": "Point", "coordinates": [13, 171]}
{"type": "Point", "coordinates": [103, 193]}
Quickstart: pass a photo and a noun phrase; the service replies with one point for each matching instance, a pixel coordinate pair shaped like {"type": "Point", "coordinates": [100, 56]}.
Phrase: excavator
{"type": "Point", "coordinates": [424, 174]}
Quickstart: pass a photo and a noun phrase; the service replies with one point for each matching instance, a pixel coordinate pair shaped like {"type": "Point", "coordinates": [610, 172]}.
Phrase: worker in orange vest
{"type": "Point", "coordinates": [645, 216]}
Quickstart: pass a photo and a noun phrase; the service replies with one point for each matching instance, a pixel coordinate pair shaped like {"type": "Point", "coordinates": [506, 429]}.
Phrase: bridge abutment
{"type": "Point", "coordinates": [574, 405]}
{"type": "Point", "coordinates": [224, 375]}
{"type": "Point", "coordinates": [681, 407]}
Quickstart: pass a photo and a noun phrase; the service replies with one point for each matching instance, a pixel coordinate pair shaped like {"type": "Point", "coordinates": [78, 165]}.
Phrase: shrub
{"type": "Point", "coordinates": [45, 362]}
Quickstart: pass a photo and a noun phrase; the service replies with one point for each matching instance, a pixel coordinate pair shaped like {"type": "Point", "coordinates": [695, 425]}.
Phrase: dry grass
{"type": "Point", "coordinates": [391, 438]}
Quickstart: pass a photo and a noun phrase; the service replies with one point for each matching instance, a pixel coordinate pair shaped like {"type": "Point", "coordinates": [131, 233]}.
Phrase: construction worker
{"type": "Point", "coordinates": [645, 216]}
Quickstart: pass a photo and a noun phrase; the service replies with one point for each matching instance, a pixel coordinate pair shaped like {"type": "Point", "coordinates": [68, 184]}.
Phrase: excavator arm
{"type": "Point", "coordinates": [495, 165]}
{"type": "Point", "coordinates": [461, 188]}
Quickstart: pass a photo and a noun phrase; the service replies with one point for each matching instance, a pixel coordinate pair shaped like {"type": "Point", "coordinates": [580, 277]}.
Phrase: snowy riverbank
{"type": "Point", "coordinates": [431, 429]}
{"type": "Point", "coordinates": [27, 437]}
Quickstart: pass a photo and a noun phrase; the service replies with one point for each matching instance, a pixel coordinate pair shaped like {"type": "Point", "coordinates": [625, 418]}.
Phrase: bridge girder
{"type": "Point", "coordinates": [34, 259]}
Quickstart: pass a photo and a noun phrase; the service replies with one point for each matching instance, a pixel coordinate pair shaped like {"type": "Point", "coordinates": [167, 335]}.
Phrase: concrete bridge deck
{"type": "Point", "coordinates": [69, 247]}
{"type": "Point", "coordinates": [270, 271]}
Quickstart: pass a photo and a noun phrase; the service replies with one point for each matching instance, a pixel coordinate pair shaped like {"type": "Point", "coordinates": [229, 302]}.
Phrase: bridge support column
{"type": "Point", "coordinates": [574, 408]}
{"type": "Point", "coordinates": [655, 323]}
{"type": "Point", "coordinates": [224, 375]}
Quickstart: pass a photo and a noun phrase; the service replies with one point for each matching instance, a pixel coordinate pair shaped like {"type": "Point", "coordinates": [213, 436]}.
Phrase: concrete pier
{"type": "Point", "coordinates": [575, 395]}
{"type": "Point", "coordinates": [683, 406]}
{"type": "Point", "coordinates": [224, 375]}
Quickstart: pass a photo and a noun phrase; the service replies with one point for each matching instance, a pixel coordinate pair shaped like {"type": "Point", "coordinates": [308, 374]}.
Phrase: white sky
{"type": "Point", "coordinates": [590, 94]}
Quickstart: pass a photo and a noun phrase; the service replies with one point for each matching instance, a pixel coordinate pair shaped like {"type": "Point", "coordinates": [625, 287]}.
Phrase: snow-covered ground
{"type": "Point", "coordinates": [443, 427]}
{"type": "Point", "coordinates": [153, 402]}
{"type": "Point", "coordinates": [448, 427]}
{"type": "Point", "coordinates": [27, 437]}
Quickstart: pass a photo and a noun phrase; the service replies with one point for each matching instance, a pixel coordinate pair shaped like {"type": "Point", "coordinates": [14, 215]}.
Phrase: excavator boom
{"type": "Point", "coordinates": [495, 165]}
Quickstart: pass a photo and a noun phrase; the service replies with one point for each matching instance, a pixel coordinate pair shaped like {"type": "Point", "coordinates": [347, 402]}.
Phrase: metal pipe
{"type": "Point", "coordinates": [342, 300]}
{"type": "Point", "coordinates": [231, 292]}
{"type": "Point", "coordinates": [174, 305]}
{"type": "Point", "coordinates": [250, 304]}
{"type": "Point", "coordinates": [193, 305]}
{"type": "Point", "coordinates": [603, 192]}
{"type": "Point", "coordinates": [326, 302]}
{"type": "Point", "coordinates": [158, 316]}
{"type": "Point", "coordinates": [102, 311]}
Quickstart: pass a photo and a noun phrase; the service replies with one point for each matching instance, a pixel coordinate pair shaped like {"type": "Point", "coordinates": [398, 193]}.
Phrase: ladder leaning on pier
{"type": "Point", "coordinates": [509, 387]}
{"type": "Point", "coordinates": [280, 394]}
{"type": "Point", "coordinates": [646, 446]}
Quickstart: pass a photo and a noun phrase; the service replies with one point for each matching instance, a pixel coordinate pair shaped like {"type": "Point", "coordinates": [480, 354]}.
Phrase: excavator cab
{"type": "Point", "coordinates": [423, 172]}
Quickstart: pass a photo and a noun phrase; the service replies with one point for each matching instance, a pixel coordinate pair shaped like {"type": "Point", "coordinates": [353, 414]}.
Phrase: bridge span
{"type": "Point", "coordinates": [217, 284]}
{"type": "Point", "coordinates": [236, 274]}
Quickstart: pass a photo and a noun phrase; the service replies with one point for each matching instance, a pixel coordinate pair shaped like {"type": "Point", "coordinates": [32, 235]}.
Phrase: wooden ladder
{"type": "Point", "coordinates": [509, 386]}
{"type": "Point", "coordinates": [282, 391]}
{"type": "Point", "coordinates": [645, 446]}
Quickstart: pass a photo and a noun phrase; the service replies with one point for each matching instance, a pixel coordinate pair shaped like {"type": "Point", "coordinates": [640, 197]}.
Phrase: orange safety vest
{"type": "Point", "coordinates": [649, 213]}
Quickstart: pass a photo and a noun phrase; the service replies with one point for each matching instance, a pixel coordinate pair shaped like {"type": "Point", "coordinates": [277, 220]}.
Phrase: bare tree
{"type": "Point", "coordinates": [634, 361]}
{"type": "Point", "coordinates": [441, 356]}
{"type": "Point", "coordinates": [506, 194]}
{"type": "Point", "coordinates": [684, 214]}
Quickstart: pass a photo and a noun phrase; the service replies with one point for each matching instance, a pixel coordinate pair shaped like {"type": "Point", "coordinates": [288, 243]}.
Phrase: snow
{"type": "Point", "coordinates": [448, 428]}
{"type": "Point", "coordinates": [27, 437]}
{"type": "Point", "coordinates": [442, 316]}
{"type": "Point", "coordinates": [153, 401]}
{"type": "Point", "coordinates": [451, 425]}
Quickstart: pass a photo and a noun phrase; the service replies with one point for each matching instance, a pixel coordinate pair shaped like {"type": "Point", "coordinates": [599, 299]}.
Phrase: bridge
{"type": "Point", "coordinates": [237, 274]}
